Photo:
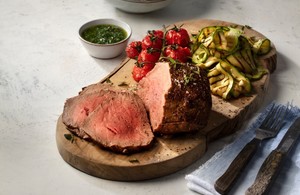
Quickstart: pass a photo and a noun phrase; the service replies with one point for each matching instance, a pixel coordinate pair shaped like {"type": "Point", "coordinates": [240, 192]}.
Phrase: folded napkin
{"type": "Point", "coordinates": [202, 180]}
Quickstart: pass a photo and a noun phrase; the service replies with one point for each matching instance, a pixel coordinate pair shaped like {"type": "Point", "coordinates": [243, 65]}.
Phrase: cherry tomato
{"type": "Point", "coordinates": [157, 33]}
{"type": "Point", "coordinates": [154, 39]}
{"type": "Point", "coordinates": [181, 54]}
{"type": "Point", "coordinates": [177, 35]}
{"type": "Point", "coordinates": [149, 55]}
{"type": "Point", "coordinates": [140, 72]}
{"type": "Point", "coordinates": [134, 49]}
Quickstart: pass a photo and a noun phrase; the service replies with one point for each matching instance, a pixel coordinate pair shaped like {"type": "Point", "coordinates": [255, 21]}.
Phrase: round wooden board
{"type": "Point", "coordinates": [169, 154]}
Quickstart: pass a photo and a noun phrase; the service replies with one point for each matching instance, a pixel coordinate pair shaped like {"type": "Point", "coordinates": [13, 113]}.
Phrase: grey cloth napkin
{"type": "Point", "coordinates": [202, 180]}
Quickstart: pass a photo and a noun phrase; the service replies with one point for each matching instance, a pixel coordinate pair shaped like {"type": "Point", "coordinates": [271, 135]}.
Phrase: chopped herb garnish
{"type": "Point", "coordinates": [188, 78]}
{"type": "Point", "coordinates": [134, 160]}
{"type": "Point", "coordinates": [108, 80]}
{"type": "Point", "coordinates": [123, 84]}
{"type": "Point", "coordinates": [233, 26]}
{"type": "Point", "coordinates": [197, 71]}
{"type": "Point", "coordinates": [249, 27]}
{"type": "Point", "coordinates": [173, 62]}
{"type": "Point", "coordinates": [69, 137]}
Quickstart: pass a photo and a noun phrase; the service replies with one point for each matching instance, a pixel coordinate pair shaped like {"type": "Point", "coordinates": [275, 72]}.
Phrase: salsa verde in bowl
{"type": "Point", "coordinates": [105, 38]}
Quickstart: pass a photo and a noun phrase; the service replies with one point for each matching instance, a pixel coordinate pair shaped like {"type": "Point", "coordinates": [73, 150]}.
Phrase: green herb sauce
{"type": "Point", "coordinates": [104, 34]}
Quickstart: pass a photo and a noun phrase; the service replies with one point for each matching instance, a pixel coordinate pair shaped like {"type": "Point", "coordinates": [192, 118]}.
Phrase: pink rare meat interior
{"type": "Point", "coordinates": [119, 123]}
{"type": "Point", "coordinates": [114, 118]}
{"type": "Point", "coordinates": [153, 97]}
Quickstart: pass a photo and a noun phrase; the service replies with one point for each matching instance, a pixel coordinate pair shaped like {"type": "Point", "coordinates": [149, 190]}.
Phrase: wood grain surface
{"type": "Point", "coordinates": [169, 154]}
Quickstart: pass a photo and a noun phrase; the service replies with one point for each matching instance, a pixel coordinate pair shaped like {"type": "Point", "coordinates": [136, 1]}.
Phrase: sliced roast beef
{"type": "Point", "coordinates": [120, 123]}
{"type": "Point", "coordinates": [177, 97]}
{"type": "Point", "coordinates": [78, 108]}
{"type": "Point", "coordinates": [112, 117]}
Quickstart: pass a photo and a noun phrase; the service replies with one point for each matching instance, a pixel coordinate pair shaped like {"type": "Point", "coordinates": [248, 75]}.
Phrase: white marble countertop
{"type": "Point", "coordinates": [42, 63]}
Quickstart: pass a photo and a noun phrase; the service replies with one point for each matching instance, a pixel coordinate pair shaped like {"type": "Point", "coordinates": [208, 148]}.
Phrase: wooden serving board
{"type": "Point", "coordinates": [169, 154]}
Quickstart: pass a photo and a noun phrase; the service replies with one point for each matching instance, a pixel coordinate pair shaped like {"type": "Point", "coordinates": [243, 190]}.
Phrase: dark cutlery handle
{"type": "Point", "coordinates": [226, 181]}
{"type": "Point", "coordinates": [266, 174]}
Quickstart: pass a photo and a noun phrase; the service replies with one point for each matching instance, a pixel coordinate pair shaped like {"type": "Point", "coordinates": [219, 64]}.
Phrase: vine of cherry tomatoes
{"type": "Point", "coordinates": [174, 43]}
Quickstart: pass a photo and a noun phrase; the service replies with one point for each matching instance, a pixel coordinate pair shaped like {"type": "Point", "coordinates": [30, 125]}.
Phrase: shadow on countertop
{"type": "Point", "coordinates": [285, 68]}
{"type": "Point", "coordinates": [179, 10]}
{"type": "Point", "coordinates": [185, 10]}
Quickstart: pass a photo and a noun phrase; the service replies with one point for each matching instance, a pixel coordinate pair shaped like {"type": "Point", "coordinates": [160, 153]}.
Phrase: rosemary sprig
{"type": "Point", "coordinates": [188, 78]}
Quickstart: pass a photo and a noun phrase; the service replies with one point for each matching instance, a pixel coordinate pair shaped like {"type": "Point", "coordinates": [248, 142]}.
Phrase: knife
{"type": "Point", "coordinates": [271, 166]}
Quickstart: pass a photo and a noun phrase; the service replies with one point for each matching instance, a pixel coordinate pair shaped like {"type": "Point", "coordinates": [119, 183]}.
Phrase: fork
{"type": "Point", "coordinates": [269, 128]}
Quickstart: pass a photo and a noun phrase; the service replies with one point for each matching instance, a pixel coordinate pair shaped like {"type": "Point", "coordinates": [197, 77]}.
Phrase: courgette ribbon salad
{"type": "Point", "coordinates": [230, 58]}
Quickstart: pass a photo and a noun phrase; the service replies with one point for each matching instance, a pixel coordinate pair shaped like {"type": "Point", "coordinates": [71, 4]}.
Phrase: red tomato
{"type": "Point", "coordinates": [177, 36]}
{"type": "Point", "coordinates": [148, 56]}
{"type": "Point", "coordinates": [181, 54]}
{"type": "Point", "coordinates": [157, 33]}
{"type": "Point", "coordinates": [145, 62]}
{"type": "Point", "coordinates": [140, 72]}
{"type": "Point", "coordinates": [154, 39]}
{"type": "Point", "coordinates": [134, 49]}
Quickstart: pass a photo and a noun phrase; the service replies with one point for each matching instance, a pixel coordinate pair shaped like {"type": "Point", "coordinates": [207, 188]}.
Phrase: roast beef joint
{"type": "Point", "coordinates": [171, 99]}
{"type": "Point", "coordinates": [177, 97]}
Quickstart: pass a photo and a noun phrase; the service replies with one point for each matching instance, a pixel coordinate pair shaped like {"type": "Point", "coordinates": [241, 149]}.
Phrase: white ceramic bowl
{"type": "Point", "coordinates": [139, 6]}
{"type": "Point", "coordinates": [105, 51]}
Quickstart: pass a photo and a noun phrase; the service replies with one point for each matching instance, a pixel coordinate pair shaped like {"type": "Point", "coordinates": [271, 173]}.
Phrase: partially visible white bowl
{"type": "Point", "coordinates": [139, 6]}
{"type": "Point", "coordinates": [105, 51]}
